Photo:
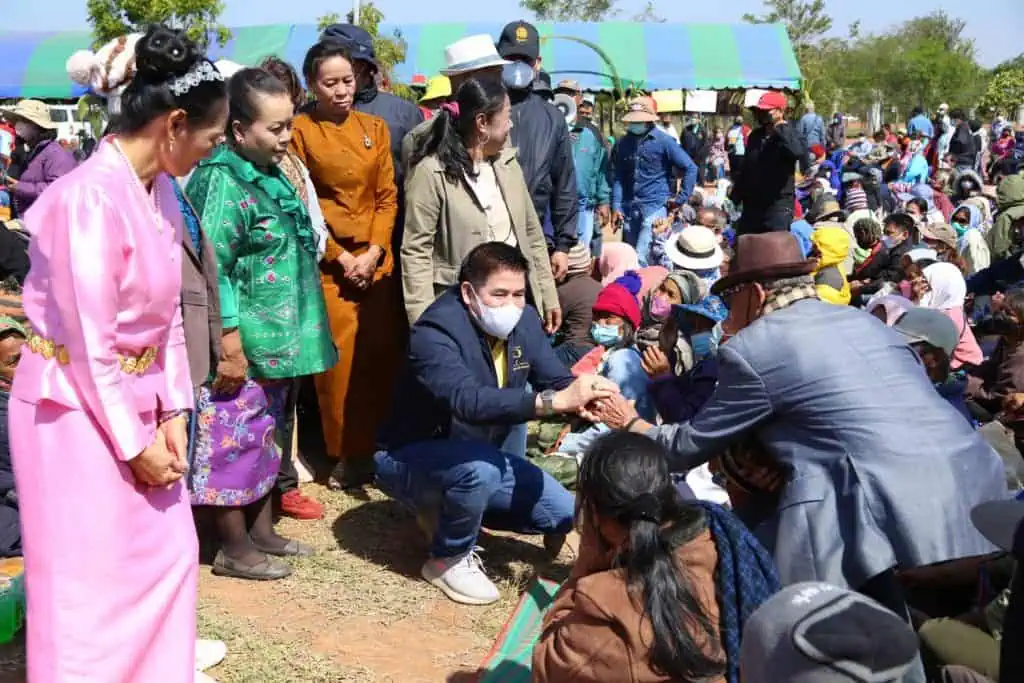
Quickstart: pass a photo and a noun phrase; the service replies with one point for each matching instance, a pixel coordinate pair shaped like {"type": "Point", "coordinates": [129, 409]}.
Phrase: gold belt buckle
{"type": "Point", "coordinates": [131, 365]}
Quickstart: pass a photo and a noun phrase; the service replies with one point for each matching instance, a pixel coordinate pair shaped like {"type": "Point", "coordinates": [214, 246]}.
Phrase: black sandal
{"type": "Point", "coordinates": [267, 570]}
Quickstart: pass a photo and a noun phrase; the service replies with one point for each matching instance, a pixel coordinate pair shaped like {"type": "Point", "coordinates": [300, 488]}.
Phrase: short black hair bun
{"type": "Point", "coordinates": [164, 53]}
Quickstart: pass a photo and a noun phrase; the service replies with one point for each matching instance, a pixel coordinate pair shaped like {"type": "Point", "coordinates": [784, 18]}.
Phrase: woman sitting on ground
{"type": "Point", "coordinates": [656, 330]}
{"type": "Point", "coordinates": [679, 396]}
{"type": "Point", "coordinates": [869, 274]}
{"type": "Point", "coordinates": [646, 597]}
{"type": "Point", "coordinates": [640, 604]}
{"type": "Point", "coordinates": [1002, 375]}
{"type": "Point", "coordinates": [970, 237]}
{"type": "Point", "coordinates": [941, 286]}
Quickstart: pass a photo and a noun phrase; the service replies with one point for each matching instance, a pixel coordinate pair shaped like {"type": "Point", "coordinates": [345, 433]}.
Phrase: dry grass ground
{"type": "Point", "coordinates": [356, 612]}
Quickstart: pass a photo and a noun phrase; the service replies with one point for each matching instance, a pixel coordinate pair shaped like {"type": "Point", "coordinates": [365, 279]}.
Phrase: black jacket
{"type": "Point", "coordinates": [540, 134]}
{"type": "Point", "coordinates": [400, 115]}
{"type": "Point", "coordinates": [962, 147]}
{"type": "Point", "coordinates": [450, 389]}
{"type": "Point", "coordinates": [765, 183]}
{"type": "Point", "coordinates": [874, 272]}
{"type": "Point", "coordinates": [893, 271]}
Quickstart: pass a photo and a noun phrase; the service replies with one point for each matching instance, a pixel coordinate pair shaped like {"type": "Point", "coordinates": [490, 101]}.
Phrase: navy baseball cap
{"type": "Point", "coordinates": [356, 39]}
{"type": "Point", "coordinates": [519, 39]}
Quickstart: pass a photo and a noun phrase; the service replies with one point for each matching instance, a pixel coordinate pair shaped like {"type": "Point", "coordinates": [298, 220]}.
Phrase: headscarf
{"type": "Point", "coordinates": [948, 289]}
{"type": "Point", "coordinates": [895, 306]}
{"type": "Point", "coordinates": [690, 287]}
{"type": "Point", "coordinates": [616, 259]}
{"type": "Point", "coordinates": [650, 278]}
{"type": "Point", "coordinates": [973, 223]}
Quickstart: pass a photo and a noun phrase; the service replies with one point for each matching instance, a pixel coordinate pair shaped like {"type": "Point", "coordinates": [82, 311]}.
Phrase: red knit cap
{"type": "Point", "coordinates": [619, 298]}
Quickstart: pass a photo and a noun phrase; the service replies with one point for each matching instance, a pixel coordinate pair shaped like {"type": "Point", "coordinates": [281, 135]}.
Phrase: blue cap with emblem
{"type": "Point", "coordinates": [356, 39]}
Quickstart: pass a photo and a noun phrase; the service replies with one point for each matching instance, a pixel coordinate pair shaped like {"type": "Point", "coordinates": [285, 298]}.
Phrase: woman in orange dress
{"type": "Point", "coordinates": [349, 159]}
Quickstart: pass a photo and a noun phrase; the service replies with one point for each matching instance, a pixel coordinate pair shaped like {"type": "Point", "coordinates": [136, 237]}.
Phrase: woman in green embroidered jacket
{"type": "Point", "coordinates": [275, 325]}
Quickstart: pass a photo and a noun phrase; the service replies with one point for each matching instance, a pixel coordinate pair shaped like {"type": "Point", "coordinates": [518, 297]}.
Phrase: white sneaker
{"type": "Point", "coordinates": [203, 678]}
{"type": "Point", "coordinates": [461, 578]}
{"type": "Point", "coordinates": [209, 653]}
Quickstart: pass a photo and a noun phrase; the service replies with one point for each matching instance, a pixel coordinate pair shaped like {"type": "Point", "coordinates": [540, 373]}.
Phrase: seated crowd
{"type": "Point", "coordinates": [792, 443]}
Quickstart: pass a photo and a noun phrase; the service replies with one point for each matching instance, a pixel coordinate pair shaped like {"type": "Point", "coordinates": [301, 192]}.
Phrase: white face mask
{"type": "Point", "coordinates": [497, 321]}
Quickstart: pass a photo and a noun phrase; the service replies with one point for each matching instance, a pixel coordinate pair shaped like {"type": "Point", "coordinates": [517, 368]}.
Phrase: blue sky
{"type": "Point", "coordinates": [996, 25]}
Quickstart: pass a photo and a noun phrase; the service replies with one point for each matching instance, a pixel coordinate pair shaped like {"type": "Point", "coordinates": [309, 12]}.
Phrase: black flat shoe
{"type": "Point", "coordinates": [291, 549]}
{"type": "Point", "coordinates": [267, 570]}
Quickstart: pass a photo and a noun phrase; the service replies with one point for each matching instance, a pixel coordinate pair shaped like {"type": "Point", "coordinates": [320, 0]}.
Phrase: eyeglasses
{"type": "Point", "coordinates": [732, 291]}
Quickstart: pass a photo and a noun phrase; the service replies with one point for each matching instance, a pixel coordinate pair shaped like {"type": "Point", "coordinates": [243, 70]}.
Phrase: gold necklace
{"type": "Point", "coordinates": [153, 198]}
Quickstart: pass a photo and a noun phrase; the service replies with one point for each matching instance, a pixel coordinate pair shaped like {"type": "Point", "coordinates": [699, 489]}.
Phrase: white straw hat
{"type": "Point", "coordinates": [695, 248]}
{"type": "Point", "coordinates": [471, 54]}
{"type": "Point", "coordinates": [33, 111]}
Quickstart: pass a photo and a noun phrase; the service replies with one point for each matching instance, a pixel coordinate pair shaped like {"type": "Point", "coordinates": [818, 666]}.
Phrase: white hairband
{"type": "Point", "coordinates": [202, 71]}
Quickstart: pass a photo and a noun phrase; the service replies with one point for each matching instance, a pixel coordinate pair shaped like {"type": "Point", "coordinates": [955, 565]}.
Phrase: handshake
{"type": "Point", "coordinates": [580, 396]}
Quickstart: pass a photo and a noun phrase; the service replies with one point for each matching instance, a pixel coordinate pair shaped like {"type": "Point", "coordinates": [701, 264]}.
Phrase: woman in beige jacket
{"type": "Point", "coordinates": [465, 188]}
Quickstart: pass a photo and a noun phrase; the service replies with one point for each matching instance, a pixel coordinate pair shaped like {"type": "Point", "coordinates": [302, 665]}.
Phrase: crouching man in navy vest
{"type": "Point", "coordinates": [472, 356]}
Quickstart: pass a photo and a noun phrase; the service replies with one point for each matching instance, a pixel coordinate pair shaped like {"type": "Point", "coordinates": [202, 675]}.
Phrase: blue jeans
{"type": "Point", "coordinates": [640, 227]}
{"type": "Point", "coordinates": [585, 224]}
{"type": "Point", "coordinates": [471, 483]}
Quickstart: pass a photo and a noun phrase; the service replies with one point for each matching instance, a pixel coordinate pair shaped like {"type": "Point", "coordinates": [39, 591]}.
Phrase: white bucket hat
{"type": "Point", "coordinates": [695, 248]}
{"type": "Point", "coordinates": [33, 111]}
{"type": "Point", "coordinates": [227, 68]}
{"type": "Point", "coordinates": [471, 54]}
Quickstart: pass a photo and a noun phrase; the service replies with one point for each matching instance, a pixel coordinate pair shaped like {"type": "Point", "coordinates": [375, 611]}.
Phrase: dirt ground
{"type": "Point", "coordinates": [357, 611]}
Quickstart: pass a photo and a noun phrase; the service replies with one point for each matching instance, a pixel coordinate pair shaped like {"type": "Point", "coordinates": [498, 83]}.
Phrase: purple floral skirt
{"type": "Point", "coordinates": [235, 454]}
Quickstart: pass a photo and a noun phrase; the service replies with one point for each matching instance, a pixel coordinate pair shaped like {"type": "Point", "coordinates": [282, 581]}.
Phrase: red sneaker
{"type": "Point", "coordinates": [294, 504]}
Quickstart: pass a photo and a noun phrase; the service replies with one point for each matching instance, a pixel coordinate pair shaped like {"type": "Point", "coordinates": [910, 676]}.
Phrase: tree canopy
{"type": "Point", "coordinates": [199, 18]}
{"type": "Point", "coordinates": [570, 10]}
{"type": "Point", "coordinates": [920, 62]}
{"type": "Point", "coordinates": [1005, 92]}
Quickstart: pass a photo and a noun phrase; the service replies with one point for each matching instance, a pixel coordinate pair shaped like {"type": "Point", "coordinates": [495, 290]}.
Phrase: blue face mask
{"type": "Point", "coordinates": [637, 129]}
{"type": "Point", "coordinates": [960, 228]}
{"type": "Point", "coordinates": [605, 335]}
{"type": "Point", "coordinates": [517, 76]}
{"type": "Point", "coordinates": [703, 345]}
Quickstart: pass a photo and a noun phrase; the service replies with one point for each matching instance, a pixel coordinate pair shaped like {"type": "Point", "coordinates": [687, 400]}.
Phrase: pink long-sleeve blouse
{"type": "Point", "coordinates": [105, 282]}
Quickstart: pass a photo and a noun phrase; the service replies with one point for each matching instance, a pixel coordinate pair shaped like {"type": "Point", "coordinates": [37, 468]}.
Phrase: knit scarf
{"type": "Point", "coordinates": [787, 296]}
{"type": "Point", "coordinates": [744, 579]}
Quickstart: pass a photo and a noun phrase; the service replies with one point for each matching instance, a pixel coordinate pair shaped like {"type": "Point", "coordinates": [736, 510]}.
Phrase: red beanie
{"type": "Point", "coordinates": [619, 299]}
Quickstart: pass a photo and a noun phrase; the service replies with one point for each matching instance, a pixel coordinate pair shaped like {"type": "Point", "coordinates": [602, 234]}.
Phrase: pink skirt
{"type": "Point", "coordinates": [111, 568]}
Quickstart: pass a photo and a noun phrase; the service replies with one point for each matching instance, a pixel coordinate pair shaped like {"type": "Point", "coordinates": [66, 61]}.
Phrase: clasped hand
{"type": "Point", "coordinates": [359, 270]}
{"type": "Point", "coordinates": [165, 460]}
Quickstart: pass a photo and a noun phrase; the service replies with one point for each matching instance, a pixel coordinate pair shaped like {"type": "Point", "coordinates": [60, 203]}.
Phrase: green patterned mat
{"type": "Point", "coordinates": [510, 659]}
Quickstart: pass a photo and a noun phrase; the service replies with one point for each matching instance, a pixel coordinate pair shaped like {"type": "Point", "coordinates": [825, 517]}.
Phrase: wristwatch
{"type": "Point", "coordinates": [547, 402]}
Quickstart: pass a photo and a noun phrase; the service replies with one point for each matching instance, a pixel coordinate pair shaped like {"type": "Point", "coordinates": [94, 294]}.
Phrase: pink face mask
{"type": "Point", "coordinates": [660, 307]}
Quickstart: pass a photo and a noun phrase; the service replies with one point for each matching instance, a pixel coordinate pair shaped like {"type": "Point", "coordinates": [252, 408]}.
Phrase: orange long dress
{"type": "Point", "coordinates": [351, 167]}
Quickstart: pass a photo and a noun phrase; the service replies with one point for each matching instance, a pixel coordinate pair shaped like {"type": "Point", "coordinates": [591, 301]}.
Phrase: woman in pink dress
{"type": "Point", "coordinates": [99, 406]}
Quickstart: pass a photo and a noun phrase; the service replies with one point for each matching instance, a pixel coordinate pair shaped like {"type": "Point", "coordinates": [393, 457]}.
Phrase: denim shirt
{"type": "Point", "coordinates": [645, 171]}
